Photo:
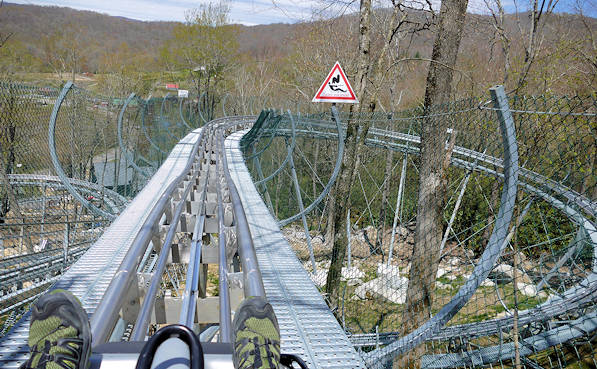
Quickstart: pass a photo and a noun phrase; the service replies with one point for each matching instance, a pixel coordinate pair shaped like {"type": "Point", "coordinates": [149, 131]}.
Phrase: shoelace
{"type": "Point", "coordinates": [256, 352]}
{"type": "Point", "coordinates": [59, 359]}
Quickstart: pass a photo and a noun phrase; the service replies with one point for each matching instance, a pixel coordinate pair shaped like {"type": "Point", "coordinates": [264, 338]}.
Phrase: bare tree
{"type": "Point", "coordinates": [341, 204]}
{"type": "Point", "coordinates": [432, 175]}
{"type": "Point", "coordinates": [4, 37]}
{"type": "Point", "coordinates": [530, 32]}
{"type": "Point", "coordinates": [589, 56]}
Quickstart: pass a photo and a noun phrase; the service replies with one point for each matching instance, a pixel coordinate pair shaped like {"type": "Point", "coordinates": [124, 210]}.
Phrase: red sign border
{"type": "Point", "coordinates": [352, 94]}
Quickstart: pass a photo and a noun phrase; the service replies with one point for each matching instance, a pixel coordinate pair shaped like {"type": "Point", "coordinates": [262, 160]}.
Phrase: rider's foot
{"type": "Point", "coordinates": [59, 335]}
{"type": "Point", "coordinates": [256, 335]}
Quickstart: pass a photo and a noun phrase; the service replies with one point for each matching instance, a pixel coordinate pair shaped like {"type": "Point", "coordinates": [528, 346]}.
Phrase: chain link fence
{"type": "Point", "coordinates": [70, 160]}
{"type": "Point", "coordinates": [505, 277]}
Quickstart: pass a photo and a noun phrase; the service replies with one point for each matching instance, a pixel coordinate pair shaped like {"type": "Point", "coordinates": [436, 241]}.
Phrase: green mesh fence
{"type": "Point", "coordinates": [502, 274]}
{"type": "Point", "coordinates": [56, 201]}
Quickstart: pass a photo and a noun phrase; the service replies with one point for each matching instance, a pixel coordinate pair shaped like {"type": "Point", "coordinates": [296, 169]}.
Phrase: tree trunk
{"type": "Point", "coordinates": [432, 176]}
{"type": "Point", "coordinates": [348, 167]}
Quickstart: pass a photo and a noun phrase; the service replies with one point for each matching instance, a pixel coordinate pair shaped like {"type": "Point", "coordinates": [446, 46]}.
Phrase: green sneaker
{"type": "Point", "coordinates": [255, 335]}
{"type": "Point", "coordinates": [59, 335]}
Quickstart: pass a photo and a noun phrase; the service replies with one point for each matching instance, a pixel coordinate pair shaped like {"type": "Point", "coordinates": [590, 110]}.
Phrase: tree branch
{"type": "Point", "coordinates": [432, 61]}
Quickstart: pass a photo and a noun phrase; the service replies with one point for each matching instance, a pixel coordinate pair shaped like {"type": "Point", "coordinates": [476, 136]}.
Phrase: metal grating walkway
{"type": "Point", "coordinates": [90, 276]}
{"type": "Point", "coordinates": [307, 326]}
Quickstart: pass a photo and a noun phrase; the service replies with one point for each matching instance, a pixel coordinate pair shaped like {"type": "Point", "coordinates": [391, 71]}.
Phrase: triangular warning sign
{"type": "Point", "coordinates": [336, 88]}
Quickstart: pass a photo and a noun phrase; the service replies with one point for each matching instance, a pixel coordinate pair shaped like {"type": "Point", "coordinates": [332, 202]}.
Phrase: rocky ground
{"type": "Point", "coordinates": [370, 278]}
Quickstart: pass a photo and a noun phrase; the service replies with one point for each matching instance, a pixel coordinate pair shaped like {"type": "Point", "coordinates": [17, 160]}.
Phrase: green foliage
{"type": "Point", "coordinates": [14, 57]}
{"type": "Point", "coordinates": [122, 73]}
{"type": "Point", "coordinates": [204, 48]}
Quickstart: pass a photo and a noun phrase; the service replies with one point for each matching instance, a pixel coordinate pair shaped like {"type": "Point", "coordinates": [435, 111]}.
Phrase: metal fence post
{"type": "Point", "coordinates": [397, 211]}
{"type": "Point", "coordinates": [66, 241]}
{"type": "Point", "coordinates": [299, 198]}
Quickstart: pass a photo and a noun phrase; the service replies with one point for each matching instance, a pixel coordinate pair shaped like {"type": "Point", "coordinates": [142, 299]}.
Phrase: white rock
{"type": "Point", "coordinates": [529, 290]}
{"type": "Point", "coordinates": [487, 283]}
{"type": "Point", "coordinates": [355, 282]}
{"type": "Point", "coordinates": [320, 277]}
{"type": "Point", "coordinates": [324, 264]}
{"type": "Point", "coordinates": [383, 268]}
{"type": "Point", "coordinates": [395, 281]}
{"type": "Point", "coordinates": [352, 273]}
{"type": "Point", "coordinates": [440, 272]}
{"type": "Point", "coordinates": [503, 314]}
{"type": "Point", "coordinates": [379, 288]}
{"type": "Point", "coordinates": [506, 269]}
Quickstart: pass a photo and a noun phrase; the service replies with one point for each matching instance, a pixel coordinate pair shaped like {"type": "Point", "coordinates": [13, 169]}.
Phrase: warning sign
{"type": "Point", "coordinates": [183, 93]}
{"type": "Point", "coordinates": [336, 88]}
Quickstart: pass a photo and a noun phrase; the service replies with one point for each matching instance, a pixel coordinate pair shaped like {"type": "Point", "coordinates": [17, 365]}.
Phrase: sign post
{"type": "Point", "coordinates": [336, 88]}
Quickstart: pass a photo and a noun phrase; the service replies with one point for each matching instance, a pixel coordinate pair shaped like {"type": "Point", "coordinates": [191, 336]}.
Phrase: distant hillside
{"type": "Point", "coordinates": [480, 57]}
{"type": "Point", "coordinates": [98, 32]}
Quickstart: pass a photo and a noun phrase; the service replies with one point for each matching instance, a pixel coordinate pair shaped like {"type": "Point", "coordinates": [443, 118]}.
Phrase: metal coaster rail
{"type": "Point", "coordinates": [206, 178]}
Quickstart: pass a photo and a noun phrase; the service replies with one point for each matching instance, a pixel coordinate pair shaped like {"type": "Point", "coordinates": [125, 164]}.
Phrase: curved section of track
{"type": "Point", "coordinates": [576, 207]}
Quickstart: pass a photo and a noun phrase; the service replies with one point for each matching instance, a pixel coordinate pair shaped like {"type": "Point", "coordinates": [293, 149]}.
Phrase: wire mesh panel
{"type": "Point", "coordinates": [475, 248]}
{"type": "Point", "coordinates": [69, 161]}
{"type": "Point", "coordinates": [42, 228]}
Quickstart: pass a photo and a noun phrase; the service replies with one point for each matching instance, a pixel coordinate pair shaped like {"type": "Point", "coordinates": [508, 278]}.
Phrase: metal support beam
{"type": "Point", "coordinates": [398, 210]}
{"type": "Point", "coordinates": [455, 211]}
{"type": "Point", "coordinates": [299, 199]}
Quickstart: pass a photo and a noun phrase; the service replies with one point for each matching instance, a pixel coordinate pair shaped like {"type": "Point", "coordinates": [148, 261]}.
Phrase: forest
{"type": "Point", "coordinates": [533, 51]}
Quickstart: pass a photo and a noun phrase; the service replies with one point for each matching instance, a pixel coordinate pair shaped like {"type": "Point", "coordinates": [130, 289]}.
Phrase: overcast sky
{"type": "Point", "coordinates": [247, 12]}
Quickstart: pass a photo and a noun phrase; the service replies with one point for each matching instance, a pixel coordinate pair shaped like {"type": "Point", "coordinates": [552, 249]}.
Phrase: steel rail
{"type": "Point", "coordinates": [251, 273]}
{"type": "Point", "coordinates": [580, 201]}
{"type": "Point", "coordinates": [499, 233]}
{"type": "Point", "coordinates": [570, 194]}
{"type": "Point", "coordinates": [524, 173]}
{"type": "Point", "coordinates": [78, 182]}
{"type": "Point", "coordinates": [189, 305]}
{"type": "Point", "coordinates": [49, 222]}
{"type": "Point", "coordinates": [199, 109]}
{"type": "Point", "coordinates": [22, 272]}
{"type": "Point", "coordinates": [264, 116]}
{"type": "Point", "coordinates": [49, 268]}
{"type": "Point", "coordinates": [224, 292]}
{"type": "Point", "coordinates": [106, 314]}
{"type": "Point", "coordinates": [273, 125]}
{"type": "Point", "coordinates": [333, 177]}
{"type": "Point", "coordinates": [112, 199]}
{"type": "Point", "coordinates": [54, 157]}
{"type": "Point", "coordinates": [19, 259]}
{"type": "Point", "coordinates": [574, 299]}
{"type": "Point", "coordinates": [570, 212]}
{"type": "Point", "coordinates": [13, 295]}
{"type": "Point", "coordinates": [506, 351]}
{"type": "Point", "coordinates": [142, 322]}
{"type": "Point", "coordinates": [492, 251]}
